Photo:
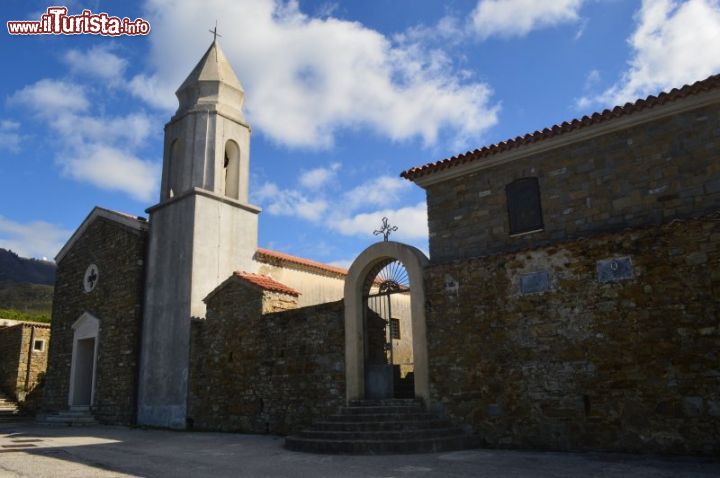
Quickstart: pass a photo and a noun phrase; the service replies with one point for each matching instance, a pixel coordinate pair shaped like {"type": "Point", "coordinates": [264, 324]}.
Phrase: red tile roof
{"type": "Point", "coordinates": [266, 283]}
{"type": "Point", "coordinates": [267, 253]}
{"type": "Point", "coordinates": [710, 83]}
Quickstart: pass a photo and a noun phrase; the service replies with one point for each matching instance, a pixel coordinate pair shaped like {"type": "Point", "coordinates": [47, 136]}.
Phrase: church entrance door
{"type": "Point", "coordinates": [84, 372]}
{"type": "Point", "coordinates": [84, 361]}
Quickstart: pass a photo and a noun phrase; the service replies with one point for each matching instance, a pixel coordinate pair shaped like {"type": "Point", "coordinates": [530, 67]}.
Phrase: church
{"type": "Point", "coordinates": [570, 301]}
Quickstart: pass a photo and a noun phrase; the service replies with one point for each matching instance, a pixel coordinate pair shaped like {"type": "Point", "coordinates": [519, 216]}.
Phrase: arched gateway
{"type": "Point", "coordinates": [358, 284]}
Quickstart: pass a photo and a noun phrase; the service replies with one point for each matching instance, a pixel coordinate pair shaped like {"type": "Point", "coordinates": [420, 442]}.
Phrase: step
{"type": "Point", "coordinates": [392, 402]}
{"type": "Point", "coordinates": [382, 426]}
{"type": "Point", "coordinates": [86, 420]}
{"type": "Point", "coordinates": [380, 410]}
{"type": "Point", "coordinates": [384, 417]}
{"type": "Point", "coordinates": [70, 414]}
{"type": "Point", "coordinates": [382, 435]}
{"type": "Point", "coordinates": [379, 447]}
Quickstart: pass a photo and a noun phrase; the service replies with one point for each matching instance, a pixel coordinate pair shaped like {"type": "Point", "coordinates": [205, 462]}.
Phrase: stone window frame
{"type": "Point", "coordinates": [35, 345]}
{"type": "Point", "coordinates": [533, 182]}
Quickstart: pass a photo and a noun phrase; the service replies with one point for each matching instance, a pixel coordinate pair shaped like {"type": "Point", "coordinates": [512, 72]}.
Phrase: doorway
{"type": "Point", "coordinates": [389, 368]}
{"type": "Point", "coordinates": [369, 327]}
{"type": "Point", "coordinates": [84, 361]}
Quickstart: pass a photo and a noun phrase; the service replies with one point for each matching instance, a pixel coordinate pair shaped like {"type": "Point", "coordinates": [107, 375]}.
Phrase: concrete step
{"type": "Point", "coordinates": [72, 417]}
{"type": "Point", "coordinates": [386, 402]}
{"type": "Point", "coordinates": [381, 447]}
{"type": "Point", "coordinates": [381, 417]}
{"type": "Point", "coordinates": [382, 435]}
{"type": "Point", "coordinates": [382, 426]}
{"type": "Point", "coordinates": [377, 410]}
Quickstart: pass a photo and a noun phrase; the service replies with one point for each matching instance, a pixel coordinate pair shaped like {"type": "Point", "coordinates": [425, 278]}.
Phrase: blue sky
{"type": "Point", "coordinates": [342, 96]}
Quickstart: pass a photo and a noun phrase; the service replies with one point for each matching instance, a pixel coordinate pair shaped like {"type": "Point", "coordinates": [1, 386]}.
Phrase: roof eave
{"type": "Point", "coordinates": [462, 165]}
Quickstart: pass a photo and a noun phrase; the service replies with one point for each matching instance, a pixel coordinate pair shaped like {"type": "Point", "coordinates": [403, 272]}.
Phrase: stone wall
{"type": "Point", "coordinates": [265, 373]}
{"type": "Point", "coordinates": [632, 365]}
{"type": "Point", "coordinates": [10, 352]}
{"type": "Point", "coordinates": [119, 253]}
{"type": "Point", "coordinates": [21, 369]}
{"type": "Point", "coordinates": [662, 169]}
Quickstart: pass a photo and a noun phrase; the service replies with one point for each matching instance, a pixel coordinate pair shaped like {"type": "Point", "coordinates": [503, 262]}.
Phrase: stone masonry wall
{"type": "Point", "coordinates": [632, 365]}
{"type": "Point", "coordinates": [10, 351]}
{"type": "Point", "coordinates": [265, 373]}
{"type": "Point", "coordinates": [659, 170]}
{"type": "Point", "coordinates": [119, 253]}
{"type": "Point", "coordinates": [34, 361]}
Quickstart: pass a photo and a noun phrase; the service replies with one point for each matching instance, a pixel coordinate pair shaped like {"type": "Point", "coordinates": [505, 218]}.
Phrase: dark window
{"type": "Point", "coordinates": [39, 345]}
{"type": "Point", "coordinates": [523, 202]}
{"type": "Point", "coordinates": [395, 329]}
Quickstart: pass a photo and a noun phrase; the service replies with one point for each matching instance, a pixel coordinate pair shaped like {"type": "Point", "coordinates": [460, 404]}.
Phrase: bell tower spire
{"type": "Point", "coordinates": [201, 231]}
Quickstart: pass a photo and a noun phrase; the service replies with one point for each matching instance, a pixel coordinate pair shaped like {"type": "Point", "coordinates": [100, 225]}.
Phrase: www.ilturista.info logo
{"type": "Point", "coordinates": [56, 21]}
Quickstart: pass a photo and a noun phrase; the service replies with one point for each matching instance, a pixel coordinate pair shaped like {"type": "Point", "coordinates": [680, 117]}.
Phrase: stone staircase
{"type": "Point", "coordinates": [74, 417]}
{"type": "Point", "coordinates": [9, 411]}
{"type": "Point", "coordinates": [374, 427]}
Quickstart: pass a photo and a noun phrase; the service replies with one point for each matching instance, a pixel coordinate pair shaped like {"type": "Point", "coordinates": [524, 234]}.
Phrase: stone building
{"type": "Point", "coordinates": [573, 288]}
{"type": "Point", "coordinates": [570, 300]}
{"type": "Point", "coordinates": [23, 357]}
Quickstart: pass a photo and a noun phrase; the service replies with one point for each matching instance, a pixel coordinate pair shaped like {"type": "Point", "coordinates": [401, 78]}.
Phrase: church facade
{"type": "Point", "coordinates": [570, 300]}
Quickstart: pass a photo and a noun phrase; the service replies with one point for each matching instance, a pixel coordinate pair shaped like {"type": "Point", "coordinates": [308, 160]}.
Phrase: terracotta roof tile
{"type": "Point", "coordinates": [266, 283]}
{"type": "Point", "coordinates": [710, 83]}
{"type": "Point", "coordinates": [267, 253]}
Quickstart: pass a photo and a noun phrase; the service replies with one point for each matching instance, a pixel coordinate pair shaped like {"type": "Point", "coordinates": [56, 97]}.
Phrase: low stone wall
{"type": "Point", "coordinates": [265, 373]}
{"type": "Point", "coordinates": [10, 351]}
{"type": "Point", "coordinates": [632, 364]}
{"type": "Point", "coordinates": [21, 367]}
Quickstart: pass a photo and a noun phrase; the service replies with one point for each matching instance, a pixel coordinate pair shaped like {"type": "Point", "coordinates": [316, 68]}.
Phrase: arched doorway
{"type": "Point", "coordinates": [364, 281]}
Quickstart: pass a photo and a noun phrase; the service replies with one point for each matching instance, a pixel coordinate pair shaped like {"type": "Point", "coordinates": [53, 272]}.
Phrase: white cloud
{"type": "Point", "coordinates": [10, 138]}
{"type": "Point", "coordinates": [353, 213]}
{"type": "Point", "coordinates": [51, 97]}
{"type": "Point", "coordinates": [318, 177]}
{"type": "Point", "coordinates": [410, 220]}
{"type": "Point", "coordinates": [289, 202]}
{"type": "Point", "coordinates": [33, 239]}
{"type": "Point", "coordinates": [306, 78]}
{"type": "Point", "coordinates": [674, 43]}
{"type": "Point", "coordinates": [151, 90]}
{"type": "Point", "coordinates": [98, 61]}
{"type": "Point", "coordinates": [113, 169]}
{"type": "Point", "coordinates": [130, 131]}
{"type": "Point", "coordinates": [378, 191]}
{"type": "Point", "coordinates": [100, 150]}
{"type": "Point", "coordinates": [516, 18]}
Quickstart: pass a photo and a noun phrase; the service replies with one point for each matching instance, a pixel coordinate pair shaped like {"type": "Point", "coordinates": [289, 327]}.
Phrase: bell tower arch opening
{"type": "Point", "coordinates": [232, 169]}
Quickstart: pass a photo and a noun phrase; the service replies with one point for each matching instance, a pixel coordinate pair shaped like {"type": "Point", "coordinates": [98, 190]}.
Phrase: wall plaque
{"type": "Point", "coordinates": [614, 270]}
{"type": "Point", "coordinates": [534, 282]}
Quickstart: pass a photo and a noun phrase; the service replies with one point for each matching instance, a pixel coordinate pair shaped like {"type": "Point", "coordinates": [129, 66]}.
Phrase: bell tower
{"type": "Point", "coordinates": [201, 231]}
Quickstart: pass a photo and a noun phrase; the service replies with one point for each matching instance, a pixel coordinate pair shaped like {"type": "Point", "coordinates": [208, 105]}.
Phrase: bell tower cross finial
{"type": "Point", "coordinates": [215, 33]}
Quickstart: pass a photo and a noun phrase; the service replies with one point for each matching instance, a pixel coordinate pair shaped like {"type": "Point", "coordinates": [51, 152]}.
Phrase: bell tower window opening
{"type": "Point", "coordinates": [173, 172]}
{"type": "Point", "coordinates": [231, 165]}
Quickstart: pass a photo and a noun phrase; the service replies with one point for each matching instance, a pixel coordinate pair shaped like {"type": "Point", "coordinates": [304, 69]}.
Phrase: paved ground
{"type": "Point", "coordinates": [29, 450]}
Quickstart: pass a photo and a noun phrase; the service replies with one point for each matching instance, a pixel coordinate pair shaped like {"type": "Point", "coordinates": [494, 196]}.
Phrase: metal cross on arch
{"type": "Point", "coordinates": [385, 229]}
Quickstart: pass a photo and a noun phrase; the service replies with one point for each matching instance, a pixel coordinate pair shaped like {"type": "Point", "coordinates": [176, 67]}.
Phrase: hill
{"type": "Point", "coordinates": [19, 269]}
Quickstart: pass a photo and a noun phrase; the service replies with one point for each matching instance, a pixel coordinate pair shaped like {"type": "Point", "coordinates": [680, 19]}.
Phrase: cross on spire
{"type": "Point", "coordinates": [215, 33]}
